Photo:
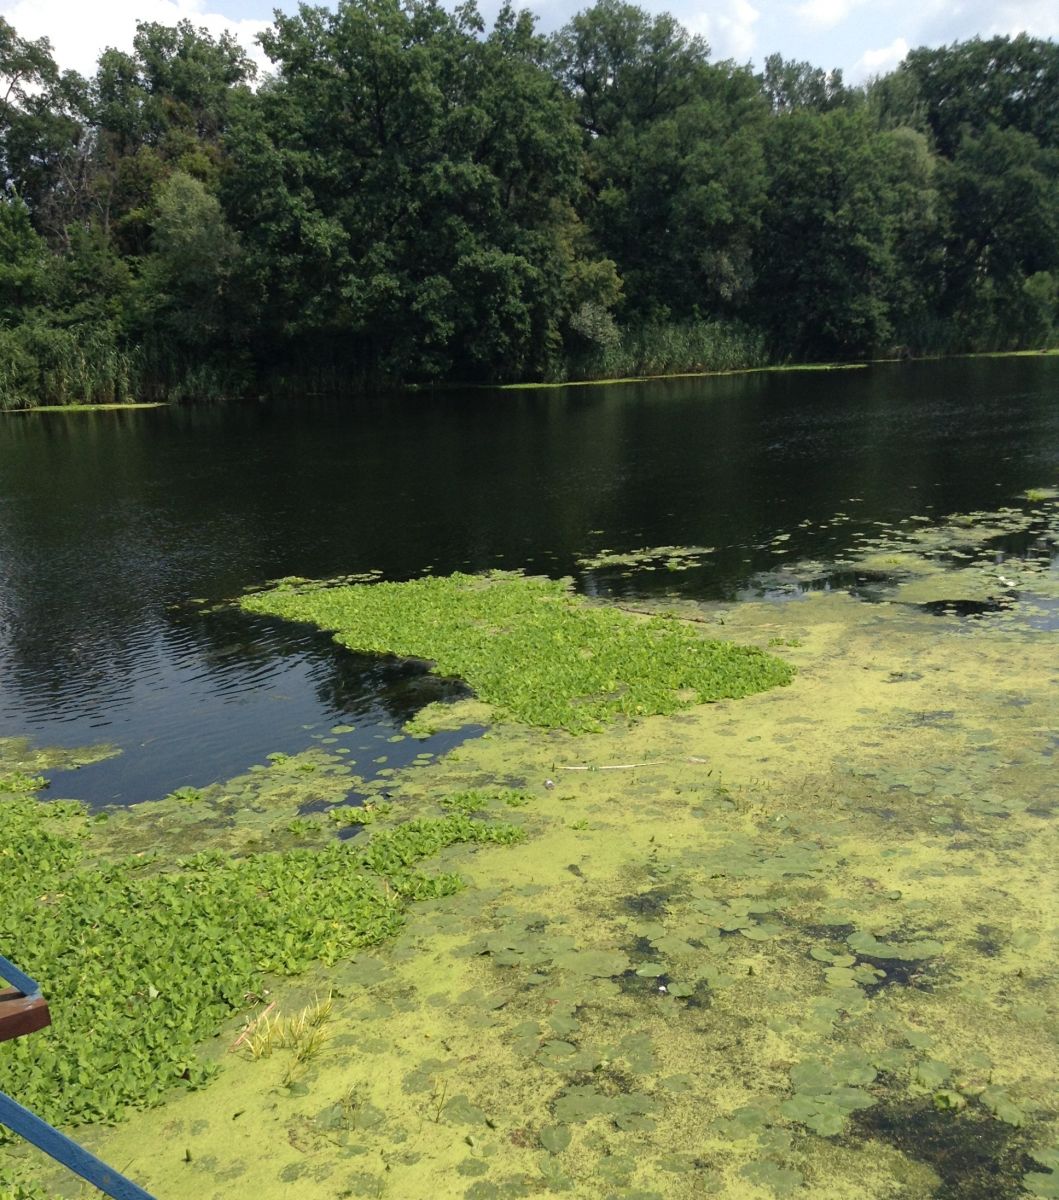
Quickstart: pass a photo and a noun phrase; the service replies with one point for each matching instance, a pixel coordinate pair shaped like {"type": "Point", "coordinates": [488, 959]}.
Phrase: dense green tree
{"type": "Point", "coordinates": [625, 66]}
{"type": "Point", "coordinates": [163, 108]}
{"type": "Point", "coordinates": [789, 85]}
{"type": "Point", "coordinates": [183, 288]}
{"type": "Point", "coordinates": [413, 196]}
{"type": "Point", "coordinates": [828, 257]}
{"type": "Point", "coordinates": [43, 134]}
{"type": "Point", "coordinates": [674, 161]}
{"type": "Point", "coordinates": [962, 89]}
{"type": "Point", "coordinates": [404, 187]}
{"type": "Point", "coordinates": [1001, 194]}
{"type": "Point", "coordinates": [23, 260]}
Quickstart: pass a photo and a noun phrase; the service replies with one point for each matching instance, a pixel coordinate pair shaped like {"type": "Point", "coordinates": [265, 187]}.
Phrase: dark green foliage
{"type": "Point", "coordinates": [409, 212]}
{"type": "Point", "coordinates": [964, 88]}
{"type": "Point", "coordinates": [1002, 191]}
{"type": "Point", "coordinates": [673, 157]}
{"type": "Point", "coordinates": [790, 86]}
{"type": "Point", "coordinates": [827, 268]}
{"type": "Point", "coordinates": [411, 197]}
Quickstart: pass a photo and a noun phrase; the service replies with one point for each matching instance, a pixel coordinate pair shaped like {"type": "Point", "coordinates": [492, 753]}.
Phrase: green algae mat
{"type": "Point", "coordinates": [798, 941]}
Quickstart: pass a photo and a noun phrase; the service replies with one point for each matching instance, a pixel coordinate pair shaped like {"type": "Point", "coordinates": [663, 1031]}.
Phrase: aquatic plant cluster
{"type": "Point", "coordinates": [795, 942]}
{"type": "Point", "coordinates": [531, 648]}
{"type": "Point", "coordinates": [145, 956]}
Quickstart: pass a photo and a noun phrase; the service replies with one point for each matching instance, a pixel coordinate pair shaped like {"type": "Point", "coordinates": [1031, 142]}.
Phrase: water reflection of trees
{"type": "Point", "coordinates": [106, 524]}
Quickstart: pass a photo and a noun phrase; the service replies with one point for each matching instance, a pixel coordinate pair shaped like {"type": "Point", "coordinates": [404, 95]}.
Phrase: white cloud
{"type": "Point", "coordinates": [879, 62]}
{"type": "Point", "coordinates": [825, 14]}
{"type": "Point", "coordinates": [729, 29]}
{"type": "Point", "coordinates": [1039, 18]}
{"type": "Point", "coordinates": [79, 31]}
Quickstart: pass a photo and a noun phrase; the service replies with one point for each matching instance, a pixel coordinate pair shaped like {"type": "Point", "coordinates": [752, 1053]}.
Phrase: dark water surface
{"type": "Point", "coordinates": [112, 522]}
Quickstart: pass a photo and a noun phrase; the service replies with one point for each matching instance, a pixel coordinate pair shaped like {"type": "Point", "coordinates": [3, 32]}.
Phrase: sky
{"type": "Point", "coordinates": [863, 37]}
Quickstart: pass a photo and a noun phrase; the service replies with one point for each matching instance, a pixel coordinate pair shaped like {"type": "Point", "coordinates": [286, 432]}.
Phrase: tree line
{"type": "Point", "coordinates": [410, 196]}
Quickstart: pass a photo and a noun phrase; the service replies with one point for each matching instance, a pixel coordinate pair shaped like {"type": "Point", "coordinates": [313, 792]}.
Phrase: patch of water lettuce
{"type": "Point", "coordinates": [530, 647]}
{"type": "Point", "coordinates": [143, 958]}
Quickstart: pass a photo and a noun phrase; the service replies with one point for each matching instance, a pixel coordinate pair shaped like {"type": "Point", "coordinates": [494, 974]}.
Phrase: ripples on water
{"type": "Point", "coordinates": [111, 523]}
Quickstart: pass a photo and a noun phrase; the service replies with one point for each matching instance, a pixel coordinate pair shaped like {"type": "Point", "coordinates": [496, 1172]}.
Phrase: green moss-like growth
{"type": "Point", "coordinates": [531, 648]}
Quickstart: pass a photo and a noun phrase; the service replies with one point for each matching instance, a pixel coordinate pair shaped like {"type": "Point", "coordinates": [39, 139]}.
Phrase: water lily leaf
{"type": "Point", "coordinates": [461, 1110]}
{"type": "Point", "coordinates": [714, 978]}
{"type": "Point", "coordinates": [808, 1075]}
{"type": "Point", "coordinates": [557, 1049]}
{"type": "Point", "coordinates": [799, 1108]}
{"type": "Point", "coordinates": [555, 1138]}
{"type": "Point", "coordinates": [932, 1073]}
{"type": "Point", "coordinates": [580, 1104]}
{"type": "Point", "coordinates": [650, 970]}
{"type": "Point", "coordinates": [891, 1059]}
{"type": "Point", "coordinates": [840, 977]}
{"type": "Point", "coordinates": [562, 1024]}
{"type": "Point", "coordinates": [850, 1098]}
{"type": "Point", "coordinates": [827, 1122]}
{"type": "Point", "coordinates": [866, 943]}
{"type": "Point", "coordinates": [761, 933]}
{"type": "Point", "coordinates": [594, 963]}
{"type": "Point", "coordinates": [1025, 939]}
{"type": "Point", "coordinates": [677, 1163]}
{"type": "Point", "coordinates": [1046, 1187]}
{"type": "Point", "coordinates": [1003, 1107]}
{"type": "Point", "coordinates": [671, 945]}
{"type": "Point", "coordinates": [781, 1181]}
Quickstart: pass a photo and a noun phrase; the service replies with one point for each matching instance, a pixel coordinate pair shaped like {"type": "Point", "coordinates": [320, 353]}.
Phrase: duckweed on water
{"type": "Point", "coordinates": [848, 886]}
{"type": "Point", "coordinates": [530, 648]}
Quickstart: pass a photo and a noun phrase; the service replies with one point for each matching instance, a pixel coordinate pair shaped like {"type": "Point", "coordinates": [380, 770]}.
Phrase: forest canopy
{"type": "Point", "coordinates": [409, 196]}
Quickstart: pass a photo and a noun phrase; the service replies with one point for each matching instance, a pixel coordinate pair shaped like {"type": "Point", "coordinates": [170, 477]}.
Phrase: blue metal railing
{"type": "Point", "coordinates": [46, 1137]}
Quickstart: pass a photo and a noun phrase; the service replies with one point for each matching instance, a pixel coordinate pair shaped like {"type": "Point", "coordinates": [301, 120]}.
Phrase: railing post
{"type": "Point", "coordinates": [23, 1010]}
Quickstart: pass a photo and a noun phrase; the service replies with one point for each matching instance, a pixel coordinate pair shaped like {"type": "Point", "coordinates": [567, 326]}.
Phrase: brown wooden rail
{"type": "Point", "coordinates": [21, 1014]}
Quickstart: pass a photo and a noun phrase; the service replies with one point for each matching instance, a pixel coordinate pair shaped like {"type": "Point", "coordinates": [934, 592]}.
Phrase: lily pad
{"type": "Point", "coordinates": [555, 1138]}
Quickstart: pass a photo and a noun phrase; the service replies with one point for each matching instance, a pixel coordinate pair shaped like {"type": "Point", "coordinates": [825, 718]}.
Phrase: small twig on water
{"type": "Point", "coordinates": [632, 766]}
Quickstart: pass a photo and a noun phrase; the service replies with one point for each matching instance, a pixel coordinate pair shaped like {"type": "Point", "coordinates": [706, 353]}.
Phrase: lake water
{"type": "Point", "coordinates": [113, 523]}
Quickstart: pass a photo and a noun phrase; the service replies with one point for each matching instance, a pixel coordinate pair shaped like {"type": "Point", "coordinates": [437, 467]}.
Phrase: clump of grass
{"type": "Point", "coordinates": [530, 647]}
{"type": "Point", "coordinates": [660, 348]}
{"type": "Point", "coordinates": [302, 1032]}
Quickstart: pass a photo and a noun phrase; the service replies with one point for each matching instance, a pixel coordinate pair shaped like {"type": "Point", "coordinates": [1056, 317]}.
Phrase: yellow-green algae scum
{"type": "Point", "coordinates": [801, 942]}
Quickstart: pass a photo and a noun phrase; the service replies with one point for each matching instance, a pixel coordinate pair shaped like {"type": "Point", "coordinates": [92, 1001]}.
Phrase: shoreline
{"type": "Point", "coordinates": [530, 386]}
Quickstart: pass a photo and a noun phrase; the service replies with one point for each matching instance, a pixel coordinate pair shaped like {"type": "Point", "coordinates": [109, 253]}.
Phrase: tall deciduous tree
{"type": "Point", "coordinates": [404, 186]}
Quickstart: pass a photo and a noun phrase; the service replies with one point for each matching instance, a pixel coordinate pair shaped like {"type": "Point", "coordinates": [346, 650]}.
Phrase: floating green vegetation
{"type": "Point", "coordinates": [779, 368]}
{"type": "Point", "coordinates": [799, 944]}
{"type": "Point", "coordinates": [68, 408]}
{"type": "Point", "coordinates": [143, 957]}
{"type": "Point", "coordinates": [20, 759]}
{"type": "Point", "coordinates": [532, 649]}
{"type": "Point", "coordinates": [672, 558]}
